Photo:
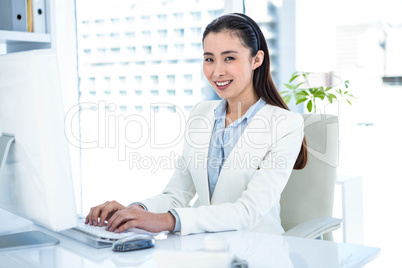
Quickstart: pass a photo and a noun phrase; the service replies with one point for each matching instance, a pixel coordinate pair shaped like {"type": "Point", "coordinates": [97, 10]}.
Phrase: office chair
{"type": "Point", "coordinates": [307, 200]}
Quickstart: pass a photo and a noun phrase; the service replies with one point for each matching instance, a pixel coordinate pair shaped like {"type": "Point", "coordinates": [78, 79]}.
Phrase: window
{"type": "Point", "coordinates": [115, 35]}
{"type": "Point", "coordinates": [123, 92]}
{"type": "Point", "coordinates": [162, 18]}
{"type": "Point", "coordinates": [195, 15]}
{"type": "Point", "coordinates": [196, 32]}
{"type": "Point", "coordinates": [179, 32]}
{"type": "Point", "coordinates": [87, 51]}
{"type": "Point", "coordinates": [131, 50]}
{"type": "Point", "coordinates": [146, 19]}
{"type": "Point", "coordinates": [188, 92]}
{"type": "Point", "coordinates": [154, 92]}
{"type": "Point", "coordinates": [115, 21]}
{"type": "Point", "coordinates": [179, 47]}
{"type": "Point", "coordinates": [179, 17]}
{"type": "Point", "coordinates": [215, 13]}
{"type": "Point", "coordinates": [138, 92]}
{"type": "Point", "coordinates": [155, 108]}
{"type": "Point", "coordinates": [163, 49]}
{"type": "Point", "coordinates": [171, 92]}
{"type": "Point", "coordinates": [196, 47]}
{"type": "Point", "coordinates": [123, 108]}
{"type": "Point", "coordinates": [147, 49]}
{"type": "Point", "coordinates": [188, 108]}
{"type": "Point", "coordinates": [130, 20]}
{"type": "Point", "coordinates": [138, 108]}
{"type": "Point", "coordinates": [100, 22]}
{"type": "Point", "coordinates": [138, 79]}
{"type": "Point", "coordinates": [162, 33]}
{"type": "Point", "coordinates": [115, 50]}
{"type": "Point", "coordinates": [146, 34]}
{"type": "Point", "coordinates": [130, 34]}
{"type": "Point", "coordinates": [171, 79]}
{"type": "Point", "coordinates": [171, 108]}
{"type": "Point", "coordinates": [154, 79]}
{"type": "Point", "coordinates": [122, 79]}
{"type": "Point", "coordinates": [188, 78]}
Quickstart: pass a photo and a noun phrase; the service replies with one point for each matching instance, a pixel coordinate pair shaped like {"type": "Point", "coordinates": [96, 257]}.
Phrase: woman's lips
{"type": "Point", "coordinates": [222, 84]}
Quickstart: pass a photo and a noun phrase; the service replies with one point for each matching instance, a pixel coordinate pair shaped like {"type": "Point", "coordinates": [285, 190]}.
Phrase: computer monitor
{"type": "Point", "coordinates": [35, 174]}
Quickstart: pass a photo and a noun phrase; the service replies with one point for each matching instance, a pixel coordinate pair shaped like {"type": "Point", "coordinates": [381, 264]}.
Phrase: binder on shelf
{"type": "Point", "coordinates": [39, 16]}
{"type": "Point", "coordinates": [13, 15]}
{"type": "Point", "coordinates": [29, 16]}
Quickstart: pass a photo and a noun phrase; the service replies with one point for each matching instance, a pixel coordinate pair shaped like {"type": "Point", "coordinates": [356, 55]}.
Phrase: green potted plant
{"type": "Point", "coordinates": [300, 89]}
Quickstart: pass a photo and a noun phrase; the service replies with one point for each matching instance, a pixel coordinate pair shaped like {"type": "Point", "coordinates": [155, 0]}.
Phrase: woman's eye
{"type": "Point", "coordinates": [208, 60]}
{"type": "Point", "coordinates": [229, 58]}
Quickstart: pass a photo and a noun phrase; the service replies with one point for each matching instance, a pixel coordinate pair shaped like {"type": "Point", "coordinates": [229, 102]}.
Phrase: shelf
{"type": "Point", "coordinates": [18, 37]}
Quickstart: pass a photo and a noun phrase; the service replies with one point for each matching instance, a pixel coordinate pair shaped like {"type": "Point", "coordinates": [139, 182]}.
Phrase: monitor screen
{"type": "Point", "coordinates": [35, 178]}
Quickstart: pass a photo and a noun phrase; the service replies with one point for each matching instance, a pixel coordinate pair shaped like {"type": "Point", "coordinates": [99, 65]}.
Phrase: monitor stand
{"type": "Point", "coordinates": [30, 239]}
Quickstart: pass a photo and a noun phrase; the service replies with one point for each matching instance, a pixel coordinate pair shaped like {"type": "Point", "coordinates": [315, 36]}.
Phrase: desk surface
{"type": "Point", "coordinates": [260, 250]}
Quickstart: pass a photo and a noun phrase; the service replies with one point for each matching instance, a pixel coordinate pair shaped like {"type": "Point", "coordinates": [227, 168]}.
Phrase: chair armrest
{"type": "Point", "coordinates": [315, 227]}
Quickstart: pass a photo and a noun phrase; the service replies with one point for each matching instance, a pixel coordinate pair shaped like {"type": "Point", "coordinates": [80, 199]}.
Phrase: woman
{"type": "Point", "coordinates": [251, 139]}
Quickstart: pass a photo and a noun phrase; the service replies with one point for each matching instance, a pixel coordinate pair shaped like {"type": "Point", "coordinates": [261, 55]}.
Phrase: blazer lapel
{"type": "Point", "coordinates": [201, 126]}
{"type": "Point", "coordinates": [252, 145]}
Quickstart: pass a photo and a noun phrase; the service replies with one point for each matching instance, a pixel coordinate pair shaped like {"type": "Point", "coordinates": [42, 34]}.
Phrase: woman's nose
{"type": "Point", "coordinates": [219, 70]}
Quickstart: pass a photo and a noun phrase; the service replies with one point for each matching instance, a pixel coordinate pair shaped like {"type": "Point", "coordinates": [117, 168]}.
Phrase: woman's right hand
{"type": "Point", "coordinates": [103, 212]}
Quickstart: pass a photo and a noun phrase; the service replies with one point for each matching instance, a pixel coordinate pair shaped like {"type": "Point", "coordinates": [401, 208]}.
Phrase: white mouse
{"type": "Point", "coordinates": [134, 242]}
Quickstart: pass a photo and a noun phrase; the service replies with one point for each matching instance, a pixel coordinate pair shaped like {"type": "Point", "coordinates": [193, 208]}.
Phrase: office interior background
{"type": "Point", "coordinates": [139, 66]}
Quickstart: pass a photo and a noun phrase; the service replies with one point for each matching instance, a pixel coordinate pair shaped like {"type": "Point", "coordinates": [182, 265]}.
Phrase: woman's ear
{"type": "Point", "coordinates": [258, 59]}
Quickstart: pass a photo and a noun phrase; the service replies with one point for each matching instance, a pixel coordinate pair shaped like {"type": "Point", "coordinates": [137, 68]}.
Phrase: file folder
{"type": "Point", "coordinates": [29, 16]}
{"type": "Point", "coordinates": [13, 15]}
{"type": "Point", "coordinates": [39, 16]}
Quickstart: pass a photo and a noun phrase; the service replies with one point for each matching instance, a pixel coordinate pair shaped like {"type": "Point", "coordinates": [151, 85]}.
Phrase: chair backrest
{"type": "Point", "coordinates": [309, 193]}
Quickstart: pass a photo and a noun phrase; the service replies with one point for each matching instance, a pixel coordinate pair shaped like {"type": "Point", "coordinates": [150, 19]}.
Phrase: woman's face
{"type": "Point", "coordinates": [229, 67]}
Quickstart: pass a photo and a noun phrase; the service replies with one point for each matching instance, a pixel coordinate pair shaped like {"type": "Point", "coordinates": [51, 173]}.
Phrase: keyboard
{"type": "Point", "coordinates": [100, 232]}
{"type": "Point", "coordinates": [96, 236]}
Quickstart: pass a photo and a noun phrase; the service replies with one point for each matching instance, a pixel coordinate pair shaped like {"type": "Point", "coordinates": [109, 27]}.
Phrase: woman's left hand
{"type": "Point", "coordinates": [135, 217]}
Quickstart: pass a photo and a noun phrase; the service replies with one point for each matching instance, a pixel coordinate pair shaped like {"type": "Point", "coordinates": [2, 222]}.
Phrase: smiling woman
{"type": "Point", "coordinates": [231, 147]}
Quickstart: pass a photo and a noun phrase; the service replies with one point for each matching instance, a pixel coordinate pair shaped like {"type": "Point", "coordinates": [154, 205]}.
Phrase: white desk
{"type": "Point", "coordinates": [260, 250]}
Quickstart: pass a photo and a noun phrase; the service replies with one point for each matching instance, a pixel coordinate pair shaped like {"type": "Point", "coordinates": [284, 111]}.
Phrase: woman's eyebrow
{"type": "Point", "coordinates": [222, 53]}
{"type": "Point", "coordinates": [228, 52]}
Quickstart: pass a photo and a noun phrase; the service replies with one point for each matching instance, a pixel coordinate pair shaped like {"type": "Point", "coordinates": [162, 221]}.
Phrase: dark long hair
{"type": "Point", "coordinates": [251, 36]}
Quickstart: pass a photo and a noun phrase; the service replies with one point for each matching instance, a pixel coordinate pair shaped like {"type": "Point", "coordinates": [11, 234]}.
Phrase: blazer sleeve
{"type": "Point", "coordinates": [263, 190]}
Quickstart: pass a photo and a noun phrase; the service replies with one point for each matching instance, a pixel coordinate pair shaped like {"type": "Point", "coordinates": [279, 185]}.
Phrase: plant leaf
{"type": "Point", "coordinates": [309, 105]}
{"type": "Point", "coordinates": [301, 100]}
{"type": "Point", "coordinates": [347, 83]}
{"type": "Point", "coordinates": [293, 77]}
{"type": "Point", "coordinates": [287, 98]}
{"type": "Point", "coordinates": [302, 92]}
{"type": "Point", "coordinates": [299, 84]}
{"type": "Point", "coordinates": [284, 92]}
{"type": "Point", "coordinates": [328, 88]}
{"type": "Point", "coordinates": [332, 96]}
{"type": "Point", "coordinates": [299, 96]}
{"type": "Point", "coordinates": [349, 102]}
{"type": "Point", "coordinates": [289, 86]}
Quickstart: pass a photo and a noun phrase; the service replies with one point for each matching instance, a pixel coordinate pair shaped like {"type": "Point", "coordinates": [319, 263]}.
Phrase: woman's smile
{"type": "Point", "coordinates": [223, 84]}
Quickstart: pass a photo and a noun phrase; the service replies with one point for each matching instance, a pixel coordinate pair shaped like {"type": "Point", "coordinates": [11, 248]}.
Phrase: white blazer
{"type": "Point", "coordinates": [249, 187]}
